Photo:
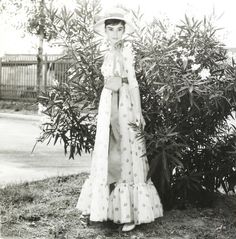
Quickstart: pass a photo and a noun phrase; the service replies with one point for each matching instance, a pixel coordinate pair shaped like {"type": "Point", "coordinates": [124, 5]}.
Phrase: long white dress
{"type": "Point", "coordinates": [133, 199]}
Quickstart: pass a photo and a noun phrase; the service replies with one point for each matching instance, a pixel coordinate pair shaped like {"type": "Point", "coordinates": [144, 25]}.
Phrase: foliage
{"type": "Point", "coordinates": [41, 16]}
{"type": "Point", "coordinates": [71, 105]}
{"type": "Point", "coordinates": [15, 5]}
{"type": "Point", "coordinates": [32, 16]}
{"type": "Point", "coordinates": [188, 93]}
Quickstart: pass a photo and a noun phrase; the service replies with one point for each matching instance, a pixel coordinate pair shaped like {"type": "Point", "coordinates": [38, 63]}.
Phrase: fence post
{"type": "Point", "coordinates": [0, 77]}
{"type": "Point", "coordinates": [45, 71]}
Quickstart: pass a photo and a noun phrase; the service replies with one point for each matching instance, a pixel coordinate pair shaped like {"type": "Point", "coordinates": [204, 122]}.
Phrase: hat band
{"type": "Point", "coordinates": [115, 15]}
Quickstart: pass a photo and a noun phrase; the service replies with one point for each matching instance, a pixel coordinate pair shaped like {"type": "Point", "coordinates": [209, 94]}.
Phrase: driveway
{"type": "Point", "coordinates": [18, 134]}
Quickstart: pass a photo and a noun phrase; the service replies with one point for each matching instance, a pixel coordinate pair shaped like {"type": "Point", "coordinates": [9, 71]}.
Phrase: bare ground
{"type": "Point", "coordinates": [46, 209]}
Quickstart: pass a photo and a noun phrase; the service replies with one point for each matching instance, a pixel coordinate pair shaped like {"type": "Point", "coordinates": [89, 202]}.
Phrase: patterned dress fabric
{"type": "Point", "coordinates": [133, 199]}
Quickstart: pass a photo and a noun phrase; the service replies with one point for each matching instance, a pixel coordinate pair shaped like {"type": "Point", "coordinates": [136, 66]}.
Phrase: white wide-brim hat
{"type": "Point", "coordinates": [114, 13]}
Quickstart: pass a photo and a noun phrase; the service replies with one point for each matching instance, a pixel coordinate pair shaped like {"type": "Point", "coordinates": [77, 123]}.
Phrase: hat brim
{"type": "Point", "coordinates": [99, 27]}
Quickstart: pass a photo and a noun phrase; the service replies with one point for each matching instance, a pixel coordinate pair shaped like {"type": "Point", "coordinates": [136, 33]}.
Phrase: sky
{"type": "Point", "coordinates": [224, 10]}
{"type": "Point", "coordinates": [14, 41]}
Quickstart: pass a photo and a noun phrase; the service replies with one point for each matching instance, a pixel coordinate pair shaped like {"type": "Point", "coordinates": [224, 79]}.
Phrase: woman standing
{"type": "Point", "coordinates": [117, 188]}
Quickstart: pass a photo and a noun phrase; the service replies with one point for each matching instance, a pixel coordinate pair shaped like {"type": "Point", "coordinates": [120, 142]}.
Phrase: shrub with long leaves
{"type": "Point", "coordinates": [70, 106]}
{"type": "Point", "coordinates": [188, 92]}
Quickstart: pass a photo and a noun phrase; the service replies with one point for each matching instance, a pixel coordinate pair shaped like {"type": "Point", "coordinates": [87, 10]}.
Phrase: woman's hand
{"type": "Point", "coordinates": [113, 83]}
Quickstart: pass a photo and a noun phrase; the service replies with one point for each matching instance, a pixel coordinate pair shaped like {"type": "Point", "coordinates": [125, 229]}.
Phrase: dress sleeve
{"type": "Point", "coordinates": [104, 51]}
{"type": "Point", "coordinates": [106, 68]}
{"type": "Point", "coordinates": [129, 65]}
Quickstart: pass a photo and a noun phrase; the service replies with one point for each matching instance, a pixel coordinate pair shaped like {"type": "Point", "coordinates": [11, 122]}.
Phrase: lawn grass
{"type": "Point", "coordinates": [17, 106]}
{"type": "Point", "coordinates": [46, 209]}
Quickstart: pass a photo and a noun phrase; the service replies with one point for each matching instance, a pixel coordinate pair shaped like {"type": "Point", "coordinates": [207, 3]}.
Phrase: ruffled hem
{"type": "Point", "coordinates": [128, 202]}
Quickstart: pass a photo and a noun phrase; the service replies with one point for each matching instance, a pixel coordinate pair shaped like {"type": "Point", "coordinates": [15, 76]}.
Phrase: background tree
{"type": "Point", "coordinates": [37, 18]}
{"type": "Point", "coordinates": [71, 105]}
{"type": "Point", "coordinates": [188, 93]}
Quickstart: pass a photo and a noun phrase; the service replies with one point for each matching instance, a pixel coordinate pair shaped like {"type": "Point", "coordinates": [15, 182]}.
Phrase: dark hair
{"type": "Point", "coordinates": [114, 22]}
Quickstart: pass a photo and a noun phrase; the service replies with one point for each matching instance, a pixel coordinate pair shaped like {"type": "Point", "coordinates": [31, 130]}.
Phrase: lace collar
{"type": "Point", "coordinates": [125, 44]}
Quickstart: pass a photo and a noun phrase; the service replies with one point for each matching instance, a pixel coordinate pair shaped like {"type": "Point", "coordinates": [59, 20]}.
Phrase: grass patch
{"type": "Point", "coordinates": [14, 106]}
{"type": "Point", "coordinates": [46, 209]}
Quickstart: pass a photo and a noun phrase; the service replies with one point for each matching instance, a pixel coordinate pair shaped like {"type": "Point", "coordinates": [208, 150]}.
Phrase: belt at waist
{"type": "Point", "coordinates": [125, 80]}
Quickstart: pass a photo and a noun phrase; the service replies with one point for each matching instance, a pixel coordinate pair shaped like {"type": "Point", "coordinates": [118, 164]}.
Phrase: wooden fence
{"type": "Point", "coordinates": [18, 75]}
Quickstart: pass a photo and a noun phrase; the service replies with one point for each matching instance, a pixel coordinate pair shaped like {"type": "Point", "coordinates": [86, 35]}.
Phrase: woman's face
{"type": "Point", "coordinates": [114, 32]}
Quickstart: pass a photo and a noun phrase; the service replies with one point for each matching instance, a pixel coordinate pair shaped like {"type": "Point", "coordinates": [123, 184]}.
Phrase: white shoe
{"type": "Point", "coordinates": [84, 220]}
{"type": "Point", "coordinates": [128, 227]}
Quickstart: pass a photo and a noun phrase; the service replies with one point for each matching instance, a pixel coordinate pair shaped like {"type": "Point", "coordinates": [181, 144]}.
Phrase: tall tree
{"type": "Point", "coordinates": [37, 18]}
{"type": "Point", "coordinates": [40, 47]}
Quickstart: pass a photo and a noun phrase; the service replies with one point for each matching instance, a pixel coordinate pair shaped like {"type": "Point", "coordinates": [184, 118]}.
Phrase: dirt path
{"type": "Point", "coordinates": [17, 138]}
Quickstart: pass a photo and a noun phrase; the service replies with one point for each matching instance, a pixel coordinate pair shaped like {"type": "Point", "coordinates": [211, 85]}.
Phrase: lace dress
{"type": "Point", "coordinates": [133, 199]}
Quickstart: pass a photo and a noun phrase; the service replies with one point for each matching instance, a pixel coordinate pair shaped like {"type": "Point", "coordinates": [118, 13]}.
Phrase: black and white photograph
{"type": "Point", "coordinates": [117, 119]}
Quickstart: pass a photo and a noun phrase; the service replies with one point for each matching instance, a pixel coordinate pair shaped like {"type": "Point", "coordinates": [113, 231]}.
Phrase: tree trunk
{"type": "Point", "coordinates": [40, 48]}
{"type": "Point", "coordinates": [40, 64]}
